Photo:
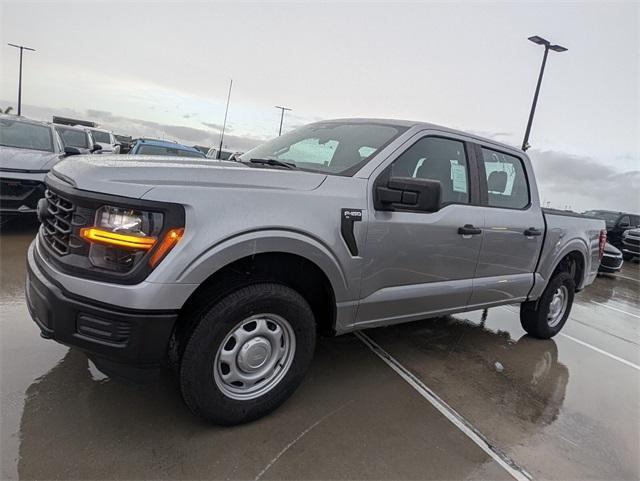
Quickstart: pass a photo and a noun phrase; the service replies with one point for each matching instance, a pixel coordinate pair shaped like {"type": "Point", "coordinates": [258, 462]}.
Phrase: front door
{"type": "Point", "coordinates": [513, 233]}
{"type": "Point", "coordinates": [417, 264]}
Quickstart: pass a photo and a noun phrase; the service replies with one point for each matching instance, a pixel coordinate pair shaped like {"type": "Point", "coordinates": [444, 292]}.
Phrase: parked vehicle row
{"type": "Point", "coordinates": [29, 148]}
{"type": "Point", "coordinates": [333, 227]}
{"type": "Point", "coordinates": [164, 147]}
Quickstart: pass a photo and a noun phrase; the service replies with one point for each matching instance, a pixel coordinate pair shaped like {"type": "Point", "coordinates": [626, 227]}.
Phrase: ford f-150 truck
{"type": "Point", "coordinates": [230, 269]}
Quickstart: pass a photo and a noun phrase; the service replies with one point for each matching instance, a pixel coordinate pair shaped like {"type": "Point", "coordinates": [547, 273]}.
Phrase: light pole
{"type": "Point", "coordinates": [282, 109]}
{"type": "Point", "coordinates": [22, 48]}
{"type": "Point", "coordinates": [547, 47]}
{"type": "Point", "coordinates": [224, 124]}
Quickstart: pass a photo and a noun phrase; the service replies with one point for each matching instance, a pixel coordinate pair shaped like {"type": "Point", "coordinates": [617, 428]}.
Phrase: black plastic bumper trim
{"type": "Point", "coordinates": [127, 337]}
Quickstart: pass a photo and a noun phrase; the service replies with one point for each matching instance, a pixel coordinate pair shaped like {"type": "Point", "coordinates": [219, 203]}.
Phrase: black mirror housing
{"type": "Point", "coordinates": [72, 151]}
{"type": "Point", "coordinates": [408, 193]}
{"type": "Point", "coordinates": [96, 147]}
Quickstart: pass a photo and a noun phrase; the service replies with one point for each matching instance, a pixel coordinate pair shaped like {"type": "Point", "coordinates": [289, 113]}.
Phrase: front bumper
{"type": "Point", "coordinates": [124, 342]}
{"type": "Point", "coordinates": [611, 263]}
{"type": "Point", "coordinates": [631, 246]}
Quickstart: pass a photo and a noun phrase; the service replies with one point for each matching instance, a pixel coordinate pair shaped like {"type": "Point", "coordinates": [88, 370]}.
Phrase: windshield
{"type": "Point", "coordinates": [25, 135]}
{"type": "Point", "coordinates": [102, 137]}
{"type": "Point", "coordinates": [174, 152]}
{"type": "Point", "coordinates": [329, 147]}
{"type": "Point", "coordinates": [73, 137]}
{"type": "Point", "coordinates": [609, 218]}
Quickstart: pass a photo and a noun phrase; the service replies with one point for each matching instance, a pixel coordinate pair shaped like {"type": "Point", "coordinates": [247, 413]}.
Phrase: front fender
{"type": "Point", "coordinates": [250, 243]}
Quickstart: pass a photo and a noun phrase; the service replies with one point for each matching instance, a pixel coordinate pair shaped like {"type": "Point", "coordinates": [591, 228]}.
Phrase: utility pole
{"type": "Point", "coordinates": [547, 47]}
{"type": "Point", "coordinates": [22, 48]}
{"type": "Point", "coordinates": [224, 124]}
{"type": "Point", "coordinates": [282, 109]}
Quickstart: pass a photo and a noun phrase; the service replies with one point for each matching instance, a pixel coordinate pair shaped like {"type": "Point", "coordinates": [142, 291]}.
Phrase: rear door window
{"type": "Point", "coordinates": [506, 180]}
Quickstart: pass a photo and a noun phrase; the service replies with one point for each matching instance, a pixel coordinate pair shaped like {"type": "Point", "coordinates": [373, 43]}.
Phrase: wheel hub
{"type": "Point", "coordinates": [557, 306]}
{"type": "Point", "coordinates": [253, 354]}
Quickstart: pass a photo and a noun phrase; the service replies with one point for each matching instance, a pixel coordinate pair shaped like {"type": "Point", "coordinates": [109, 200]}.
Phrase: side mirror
{"type": "Point", "coordinates": [72, 151]}
{"type": "Point", "coordinates": [624, 225]}
{"type": "Point", "coordinates": [408, 193]}
{"type": "Point", "coordinates": [96, 147]}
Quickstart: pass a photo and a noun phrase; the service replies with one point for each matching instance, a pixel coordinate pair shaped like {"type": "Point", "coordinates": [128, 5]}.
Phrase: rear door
{"type": "Point", "coordinates": [513, 231]}
{"type": "Point", "coordinates": [417, 263]}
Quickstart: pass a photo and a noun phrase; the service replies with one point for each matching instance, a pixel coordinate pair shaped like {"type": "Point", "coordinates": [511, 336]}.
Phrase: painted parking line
{"type": "Point", "coordinates": [447, 411]}
{"type": "Point", "coordinates": [615, 309]}
{"type": "Point", "coordinates": [601, 351]}
{"type": "Point", "coordinates": [625, 277]}
{"type": "Point", "coordinates": [590, 346]}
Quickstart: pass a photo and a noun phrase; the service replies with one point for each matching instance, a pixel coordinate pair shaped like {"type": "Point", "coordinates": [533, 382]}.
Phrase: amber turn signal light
{"type": "Point", "coordinates": [168, 242]}
{"type": "Point", "coordinates": [93, 234]}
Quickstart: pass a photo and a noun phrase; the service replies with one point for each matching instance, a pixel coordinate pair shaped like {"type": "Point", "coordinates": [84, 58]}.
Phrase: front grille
{"type": "Point", "coordinates": [635, 241]}
{"type": "Point", "coordinates": [17, 189]}
{"type": "Point", "coordinates": [57, 226]}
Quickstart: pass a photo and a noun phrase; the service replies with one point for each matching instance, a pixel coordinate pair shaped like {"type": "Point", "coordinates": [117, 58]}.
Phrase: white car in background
{"type": "Point", "coordinates": [106, 140]}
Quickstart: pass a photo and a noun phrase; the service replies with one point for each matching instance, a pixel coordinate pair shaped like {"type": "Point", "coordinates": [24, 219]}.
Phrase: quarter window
{"type": "Point", "coordinates": [506, 180]}
{"type": "Point", "coordinates": [436, 158]}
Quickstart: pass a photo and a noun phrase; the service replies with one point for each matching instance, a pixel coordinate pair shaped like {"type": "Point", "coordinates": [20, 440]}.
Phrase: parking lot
{"type": "Point", "coordinates": [462, 397]}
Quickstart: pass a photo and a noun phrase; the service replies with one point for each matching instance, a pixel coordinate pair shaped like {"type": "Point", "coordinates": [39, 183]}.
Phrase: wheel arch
{"type": "Point", "coordinates": [301, 263]}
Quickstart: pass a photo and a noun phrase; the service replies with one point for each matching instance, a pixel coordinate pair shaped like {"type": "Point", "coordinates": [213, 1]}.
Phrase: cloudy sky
{"type": "Point", "coordinates": [163, 69]}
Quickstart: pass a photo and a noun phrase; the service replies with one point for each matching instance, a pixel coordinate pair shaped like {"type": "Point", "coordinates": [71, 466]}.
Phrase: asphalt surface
{"type": "Point", "coordinates": [462, 397]}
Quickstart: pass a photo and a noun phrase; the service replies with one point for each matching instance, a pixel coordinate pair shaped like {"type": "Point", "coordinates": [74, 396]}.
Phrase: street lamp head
{"type": "Point", "coordinates": [539, 40]}
{"type": "Point", "coordinates": [558, 48]}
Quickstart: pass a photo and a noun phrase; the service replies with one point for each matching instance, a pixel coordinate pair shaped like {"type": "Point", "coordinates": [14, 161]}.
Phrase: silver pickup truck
{"type": "Point", "coordinates": [229, 269]}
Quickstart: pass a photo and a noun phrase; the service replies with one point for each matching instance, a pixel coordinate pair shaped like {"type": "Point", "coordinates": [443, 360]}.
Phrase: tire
{"type": "Point", "coordinates": [261, 329]}
{"type": "Point", "coordinates": [537, 317]}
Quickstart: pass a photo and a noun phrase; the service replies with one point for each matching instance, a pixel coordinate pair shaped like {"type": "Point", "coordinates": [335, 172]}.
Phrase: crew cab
{"type": "Point", "coordinates": [228, 270]}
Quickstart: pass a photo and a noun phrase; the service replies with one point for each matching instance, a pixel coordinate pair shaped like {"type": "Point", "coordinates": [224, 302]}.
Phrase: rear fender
{"type": "Point", "coordinates": [551, 260]}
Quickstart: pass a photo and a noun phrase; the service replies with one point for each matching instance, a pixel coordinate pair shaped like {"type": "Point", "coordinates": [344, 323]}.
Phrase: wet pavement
{"type": "Point", "coordinates": [567, 408]}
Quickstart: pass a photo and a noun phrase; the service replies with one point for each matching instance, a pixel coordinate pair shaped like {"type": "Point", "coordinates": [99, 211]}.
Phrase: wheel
{"type": "Point", "coordinates": [545, 317]}
{"type": "Point", "coordinates": [248, 354]}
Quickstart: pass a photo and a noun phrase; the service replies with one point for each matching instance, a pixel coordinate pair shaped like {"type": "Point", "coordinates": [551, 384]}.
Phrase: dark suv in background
{"type": "Point", "coordinates": [617, 224]}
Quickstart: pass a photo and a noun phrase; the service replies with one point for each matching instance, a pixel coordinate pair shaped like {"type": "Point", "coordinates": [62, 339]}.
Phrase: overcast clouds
{"type": "Point", "coordinates": [162, 69]}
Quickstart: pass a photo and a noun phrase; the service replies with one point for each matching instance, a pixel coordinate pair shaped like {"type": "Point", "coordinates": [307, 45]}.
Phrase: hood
{"type": "Point", "coordinates": [25, 159]}
{"type": "Point", "coordinates": [135, 175]}
{"type": "Point", "coordinates": [633, 232]}
{"type": "Point", "coordinates": [609, 249]}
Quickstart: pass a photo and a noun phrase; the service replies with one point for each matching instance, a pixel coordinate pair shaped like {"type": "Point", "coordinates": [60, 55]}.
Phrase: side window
{"type": "Point", "coordinates": [506, 180]}
{"type": "Point", "coordinates": [625, 221]}
{"type": "Point", "coordinates": [436, 158]}
{"type": "Point", "coordinates": [635, 221]}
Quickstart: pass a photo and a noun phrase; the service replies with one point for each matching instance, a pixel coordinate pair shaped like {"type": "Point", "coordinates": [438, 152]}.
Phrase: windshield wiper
{"type": "Point", "coordinates": [276, 162]}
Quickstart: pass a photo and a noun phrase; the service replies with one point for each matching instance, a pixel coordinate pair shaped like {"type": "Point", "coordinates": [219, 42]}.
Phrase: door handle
{"type": "Point", "coordinates": [469, 229]}
{"type": "Point", "coordinates": [532, 231]}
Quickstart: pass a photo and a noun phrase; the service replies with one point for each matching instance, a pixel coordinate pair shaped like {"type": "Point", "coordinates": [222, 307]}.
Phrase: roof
{"type": "Point", "coordinates": [166, 143]}
{"type": "Point", "coordinates": [26, 120]}
{"type": "Point", "coordinates": [424, 125]}
{"type": "Point", "coordinates": [71, 127]}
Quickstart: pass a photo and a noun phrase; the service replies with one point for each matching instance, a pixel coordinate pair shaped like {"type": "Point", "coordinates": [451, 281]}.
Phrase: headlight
{"type": "Point", "coordinates": [121, 238]}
